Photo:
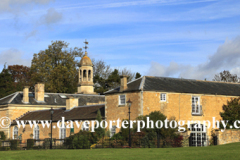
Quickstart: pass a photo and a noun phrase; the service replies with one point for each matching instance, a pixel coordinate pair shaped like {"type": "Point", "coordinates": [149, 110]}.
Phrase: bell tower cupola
{"type": "Point", "coordinates": [85, 74]}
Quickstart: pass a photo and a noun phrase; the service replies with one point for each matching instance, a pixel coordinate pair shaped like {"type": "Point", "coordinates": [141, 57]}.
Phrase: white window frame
{"type": "Point", "coordinates": [113, 131]}
{"type": "Point", "coordinates": [196, 108]}
{"type": "Point", "coordinates": [62, 132]}
{"type": "Point", "coordinates": [85, 126]}
{"type": "Point", "coordinates": [163, 95]}
{"type": "Point", "coordinates": [199, 135]}
{"type": "Point", "coordinates": [36, 130]}
{"type": "Point", "coordinates": [119, 99]}
{"type": "Point", "coordinates": [15, 130]}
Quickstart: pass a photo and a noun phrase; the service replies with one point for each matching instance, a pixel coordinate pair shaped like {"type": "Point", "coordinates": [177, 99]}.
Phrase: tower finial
{"type": "Point", "coordinates": [86, 47]}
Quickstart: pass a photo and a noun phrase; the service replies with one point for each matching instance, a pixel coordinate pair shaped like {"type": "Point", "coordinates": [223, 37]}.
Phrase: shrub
{"type": "Point", "coordinates": [30, 143]}
{"type": "Point", "coordinates": [80, 140]}
{"type": "Point", "coordinates": [3, 136]}
{"type": "Point", "coordinates": [14, 144]}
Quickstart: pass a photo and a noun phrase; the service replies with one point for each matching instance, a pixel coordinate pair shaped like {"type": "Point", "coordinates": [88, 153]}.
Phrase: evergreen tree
{"type": "Point", "coordinates": [6, 83]}
{"type": "Point", "coordinates": [99, 131]}
{"type": "Point", "coordinates": [138, 75]}
{"type": "Point", "coordinates": [231, 112]}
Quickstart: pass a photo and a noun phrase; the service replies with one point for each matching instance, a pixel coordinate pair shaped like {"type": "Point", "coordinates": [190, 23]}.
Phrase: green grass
{"type": "Point", "coordinates": [228, 151]}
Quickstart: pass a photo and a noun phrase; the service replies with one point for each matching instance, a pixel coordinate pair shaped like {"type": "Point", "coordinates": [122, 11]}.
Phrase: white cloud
{"type": "Point", "coordinates": [227, 57]}
{"type": "Point", "coordinates": [13, 5]}
{"type": "Point", "coordinates": [52, 16]}
{"type": "Point", "coordinates": [12, 57]}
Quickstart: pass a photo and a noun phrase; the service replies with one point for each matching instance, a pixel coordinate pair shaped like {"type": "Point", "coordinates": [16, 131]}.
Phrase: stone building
{"type": "Point", "coordinates": [184, 99]}
{"type": "Point", "coordinates": [19, 103]}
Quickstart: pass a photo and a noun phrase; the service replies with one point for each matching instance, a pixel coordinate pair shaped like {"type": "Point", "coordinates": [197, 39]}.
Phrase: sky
{"type": "Point", "coordinates": [193, 39]}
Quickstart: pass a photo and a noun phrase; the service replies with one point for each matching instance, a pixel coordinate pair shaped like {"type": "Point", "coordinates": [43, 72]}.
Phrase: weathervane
{"type": "Point", "coordinates": [86, 47]}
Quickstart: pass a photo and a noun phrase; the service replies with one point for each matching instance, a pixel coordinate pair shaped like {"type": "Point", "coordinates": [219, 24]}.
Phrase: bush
{"type": "Point", "coordinates": [80, 140]}
{"type": "Point", "coordinates": [30, 143]}
{"type": "Point", "coordinates": [3, 136]}
{"type": "Point", "coordinates": [5, 148]}
{"type": "Point", "coordinates": [14, 144]}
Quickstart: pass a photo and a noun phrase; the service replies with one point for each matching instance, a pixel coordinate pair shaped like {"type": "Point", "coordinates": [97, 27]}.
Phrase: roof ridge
{"type": "Point", "coordinates": [7, 96]}
{"type": "Point", "coordinates": [127, 84]}
{"type": "Point", "coordinates": [13, 97]}
{"type": "Point", "coordinates": [193, 80]}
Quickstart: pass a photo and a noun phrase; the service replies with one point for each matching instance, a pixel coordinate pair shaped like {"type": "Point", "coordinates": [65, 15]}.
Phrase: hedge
{"type": "Point", "coordinates": [14, 144]}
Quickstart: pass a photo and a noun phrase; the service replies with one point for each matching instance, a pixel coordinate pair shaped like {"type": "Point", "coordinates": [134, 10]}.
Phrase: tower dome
{"type": "Point", "coordinates": [85, 61]}
{"type": "Point", "coordinates": [85, 74]}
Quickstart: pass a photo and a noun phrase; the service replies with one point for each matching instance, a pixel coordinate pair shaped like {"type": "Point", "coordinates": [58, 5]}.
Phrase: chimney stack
{"type": "Point", "coordinates": [123, 83]}
{"type": "Point", "coordinates": [39, 92]}
{"type": "Point", "coordinates": [25, 94]}
{"type": "Point", "coordinates": [71, 102]}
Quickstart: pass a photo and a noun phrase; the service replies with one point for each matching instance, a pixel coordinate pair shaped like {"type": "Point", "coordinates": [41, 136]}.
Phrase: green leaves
{"type": "Point", "coordinates": [56, 67]}
{"type": "Point", "coordinates": [231, 111]}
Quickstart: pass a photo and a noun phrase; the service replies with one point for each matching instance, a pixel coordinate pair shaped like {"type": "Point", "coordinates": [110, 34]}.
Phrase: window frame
{"type": "Point", "coordinates": [36, 130]}
{"type": "Point", "coordinates": [84, 128]}
{"type": "Point", "coordinates": [15, 130]}
{"type": "Point", "coordinates": [62, 131]}
{"type": "Point", "coordinates": [113, 131]}
{"type": "Point", "coordinates": [119, 100]}
{"type": "Point", "coordinates": [161, 97]}
{"type": "Point", "coordinates": [196, 106]}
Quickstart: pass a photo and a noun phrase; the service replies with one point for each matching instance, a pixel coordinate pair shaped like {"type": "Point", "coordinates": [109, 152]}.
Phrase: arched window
{"type": "Point", "coordinates": [62, 132]}
{"type": "Point", "coordinates": [15, 132]}
{"type": "Point", "coordinates": [80, 75]}
{"type": "Point", "coordinates": [85, 126]}
{"type": "Point", "coordinates": [36, 132]}
{"type": "Point", "coordinates": [84, 75]}
{"type": "Point", "coordinates": [89, 75]}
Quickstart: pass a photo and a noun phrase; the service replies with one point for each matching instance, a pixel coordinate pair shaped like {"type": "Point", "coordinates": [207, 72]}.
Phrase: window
{"type": "Point", "coordinates": [198, 135]}
{"type": "Point", "coordinates": [85, 126]}
{"type": "Point", "coordinates": [62, 132]}
{"type": "Point", "coordinates": [163, 97]}
{"type": "Point", "coordinates": [15, 132]}
{"type": "Point", "coordinates": [122, 99]}
{"type": "Point", "coordinates": [112, 131]}
{"type": "Point", "coordinates": [36, 132]}
{"type": "Point", "coordinates": [196, 108]}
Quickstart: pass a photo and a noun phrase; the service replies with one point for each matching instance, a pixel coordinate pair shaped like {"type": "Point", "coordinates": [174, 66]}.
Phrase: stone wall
{"type": "Point", "coordinates": [114, 111]}
{"type": "Point", "coordinates": [228, 136]}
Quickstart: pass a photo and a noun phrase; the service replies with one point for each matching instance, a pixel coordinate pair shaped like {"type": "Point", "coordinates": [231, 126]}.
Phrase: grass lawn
{"type": "Point", "coordinates": [228, 151]}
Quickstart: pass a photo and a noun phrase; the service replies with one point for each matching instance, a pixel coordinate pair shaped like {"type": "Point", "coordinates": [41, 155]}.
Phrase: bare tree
{"type": "Point", "coordinates": [226, 76]}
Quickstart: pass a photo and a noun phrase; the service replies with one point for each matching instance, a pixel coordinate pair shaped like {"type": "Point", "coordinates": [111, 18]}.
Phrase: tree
{"type": "Point", "coordinates": [138, 75]}
{"type": "Point", "coordinates": [56, 67]}
{"type": "Point", "coordinates": [226, 76]}
{"type": "Point", "coordinates": [99, 131]}
{"type": "Point", "coordinates": [231, 112]}
{"type": "Point", "coordinates": [21, 76]}
{"type": "Point", "coordinates": [6, 83]}
{"type": "Point", "coordinates": [105, 79]}
{"type": "Point", "coordinates": [155, 116]}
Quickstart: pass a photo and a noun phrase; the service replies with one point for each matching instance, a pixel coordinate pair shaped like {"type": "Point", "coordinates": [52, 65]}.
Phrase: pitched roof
{"type": "Point", "coordinates": [179, 85]}
{"type": "Point", "coordinates": [76, 113]}
{"type": "Point", "coordinates": [51, 99]}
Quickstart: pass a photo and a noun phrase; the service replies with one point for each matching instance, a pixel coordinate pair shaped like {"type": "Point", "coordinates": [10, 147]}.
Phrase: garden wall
{"type": "Point", "coordinates": [228, 136]}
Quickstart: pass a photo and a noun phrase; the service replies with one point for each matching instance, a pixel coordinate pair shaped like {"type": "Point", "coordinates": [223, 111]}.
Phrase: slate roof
{"type": "Point", "coordinates": [179, 85]}
{"type": "Point", "coordinates": [77, 113]}
{"type": "Point", "coordinates": [51, 99]}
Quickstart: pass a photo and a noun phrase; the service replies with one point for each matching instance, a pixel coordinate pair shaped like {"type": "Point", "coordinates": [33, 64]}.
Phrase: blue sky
{"type": "Point", "coordinates": [174, 38]}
